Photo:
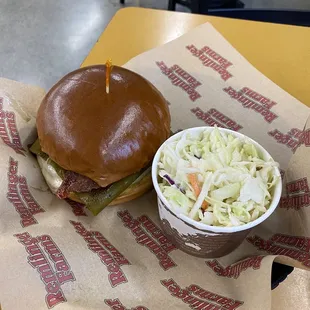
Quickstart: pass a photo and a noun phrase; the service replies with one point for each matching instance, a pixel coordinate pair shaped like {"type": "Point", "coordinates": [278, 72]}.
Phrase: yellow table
{"type": "Point", "coordinates": [280, 52]}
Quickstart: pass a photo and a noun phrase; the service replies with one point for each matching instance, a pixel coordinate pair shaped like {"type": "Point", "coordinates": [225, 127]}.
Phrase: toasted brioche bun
{"type": "Point", "coordinates": [104, 136]}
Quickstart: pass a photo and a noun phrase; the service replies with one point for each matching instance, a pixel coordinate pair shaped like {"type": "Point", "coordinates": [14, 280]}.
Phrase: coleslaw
{"type": "Point", "coordinates": [216, 178]}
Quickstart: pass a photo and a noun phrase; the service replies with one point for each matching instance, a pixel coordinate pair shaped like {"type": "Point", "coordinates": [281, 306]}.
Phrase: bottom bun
{"type": "Point", "coordinates": [132, 192]}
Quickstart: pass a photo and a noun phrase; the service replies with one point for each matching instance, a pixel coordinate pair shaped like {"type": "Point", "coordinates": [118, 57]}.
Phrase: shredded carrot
{"type": "Point", "coordinates": [192, 177]}
{"type": "Point", "coordinates": [204, 206]}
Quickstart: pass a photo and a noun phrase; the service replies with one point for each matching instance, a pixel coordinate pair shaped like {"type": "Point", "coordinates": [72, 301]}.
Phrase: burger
{"type": "Point", "coordinates": [98, 132]}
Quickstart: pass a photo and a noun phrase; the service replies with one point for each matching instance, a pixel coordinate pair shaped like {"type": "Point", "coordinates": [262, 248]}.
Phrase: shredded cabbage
{"type": "Point", "coordinates": [216, 178]}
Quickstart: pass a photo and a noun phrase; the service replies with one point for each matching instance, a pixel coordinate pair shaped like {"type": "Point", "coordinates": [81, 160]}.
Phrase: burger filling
{"type": "Point", "coordinates": [69, 184]}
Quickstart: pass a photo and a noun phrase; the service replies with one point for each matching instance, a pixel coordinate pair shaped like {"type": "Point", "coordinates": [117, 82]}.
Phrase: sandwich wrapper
{"type": "Point", "coordinates": [55, 254]}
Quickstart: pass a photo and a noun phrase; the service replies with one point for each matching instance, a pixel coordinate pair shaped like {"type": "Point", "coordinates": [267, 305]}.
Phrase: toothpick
{"type": "Point", "coordinates": [107, 75]}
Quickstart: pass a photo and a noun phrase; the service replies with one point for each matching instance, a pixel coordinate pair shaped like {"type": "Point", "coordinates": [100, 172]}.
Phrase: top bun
{"type": "Point", "coordinates": [105, 137]}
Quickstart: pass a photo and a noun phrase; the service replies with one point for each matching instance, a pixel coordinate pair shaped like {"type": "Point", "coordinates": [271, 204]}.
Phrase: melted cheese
{"type": "Point", "coordinates": [51, 177]}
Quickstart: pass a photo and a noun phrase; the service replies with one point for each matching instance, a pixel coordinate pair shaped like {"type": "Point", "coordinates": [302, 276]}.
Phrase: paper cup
{"type": "Point", "coordinates": [199, 239]}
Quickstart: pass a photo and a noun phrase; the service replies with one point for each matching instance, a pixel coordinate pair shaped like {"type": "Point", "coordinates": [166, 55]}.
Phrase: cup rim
{"type": "Point", "coordinates": [202, 226]}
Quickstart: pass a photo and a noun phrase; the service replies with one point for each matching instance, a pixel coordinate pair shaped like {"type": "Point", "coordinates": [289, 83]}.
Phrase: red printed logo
{"type": "Point", "coordinates": [8, 130]}
{"type": "Point", "coordinates": [260, 104]}
{"type": "Point", "coordinates": [292, 139]}
{"type": "Point", "coordinates": [300, 185]}
{"type": "Point", "coordinates": [50, 263]}
{"type": "Point", "coordinates": [181, 78]}
{"type": "Point", "coordinates": [156, 233]}
{"type": "Point", "coordinates": [115, 304]}
{"type": "Point", "coordinates": [214, 117]}
{"type": "Point", "coordinates": [107, 253]}
{"type": "Point", "coordinates": [211, 59]}
{"type": "Point", "coordinates": [20, 197]}
{"type": "Point", "coordinates": [77, 208]}
{"type": "Point", "coordinates": [149, 235]}
{"type": "Point", "coordinates": [296, 247]}
{"type": "Point", "coordinates": [234, 270]}
{"type": "Point", "coordinates": [305, 138]}
{"type": "Point", "coordinates": [297, 195]}
{"type": "Point", "coordinates": [199, 298]}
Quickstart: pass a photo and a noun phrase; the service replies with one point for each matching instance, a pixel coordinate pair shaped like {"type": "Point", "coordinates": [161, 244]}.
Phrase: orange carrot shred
{"type": "Point", "coordinates": [192, 177]}
{"type": "Point", "coordinates": [204, 206]}
{"type": "Point", "coordinates": [194, 183]}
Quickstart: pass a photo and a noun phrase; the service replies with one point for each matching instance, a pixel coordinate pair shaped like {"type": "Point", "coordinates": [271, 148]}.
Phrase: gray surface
{"type": "Point", "coordinates": [41, 40]}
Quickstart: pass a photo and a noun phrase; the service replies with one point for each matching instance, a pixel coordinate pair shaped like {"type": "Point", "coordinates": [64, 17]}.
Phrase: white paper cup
{"type": "Point", "coordinates": [200, 239]}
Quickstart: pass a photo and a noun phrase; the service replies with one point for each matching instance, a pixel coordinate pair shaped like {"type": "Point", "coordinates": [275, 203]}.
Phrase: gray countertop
{"type": "Point", "coordinates": [42, 40]}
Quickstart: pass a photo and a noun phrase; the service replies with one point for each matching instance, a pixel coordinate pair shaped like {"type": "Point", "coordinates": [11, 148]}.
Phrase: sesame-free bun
{"type": "Point", "coordinates": [105, 137]}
